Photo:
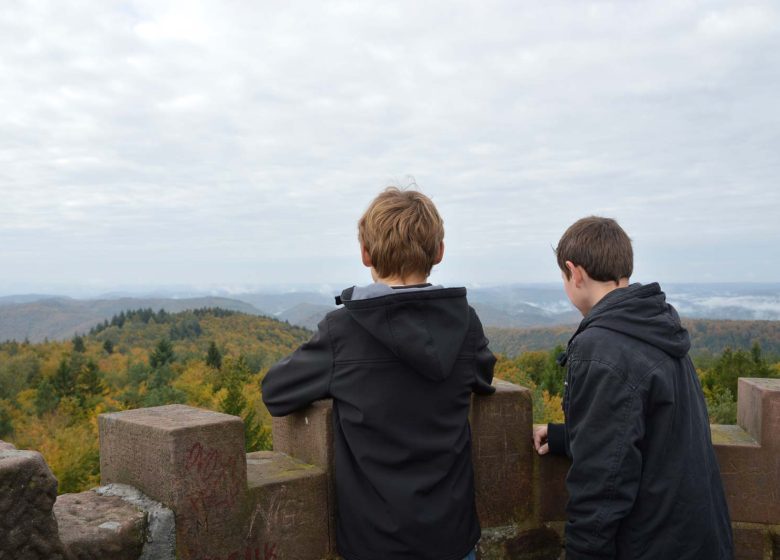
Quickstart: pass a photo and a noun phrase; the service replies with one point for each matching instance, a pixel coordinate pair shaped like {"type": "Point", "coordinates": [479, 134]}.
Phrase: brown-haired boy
{"type": "Point", "coordinates": [644, 482]}
{"type": "Point", "coordinates": [400, 361]}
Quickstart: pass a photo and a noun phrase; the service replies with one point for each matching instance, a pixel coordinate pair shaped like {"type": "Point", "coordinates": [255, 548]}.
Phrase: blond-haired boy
{"type": "Point", "coordinates": [644, 483]}
{"type": "Point", "coordinates": [400, 361]}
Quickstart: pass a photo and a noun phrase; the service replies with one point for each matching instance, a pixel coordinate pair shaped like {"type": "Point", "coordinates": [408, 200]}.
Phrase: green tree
{"type": "Point", "coordinates": [722, 407]}
{"type": "Point", "coordinates": [108, 346]}
{"type": "Point", "coordinates": [214, 356]}
{"type": "Point", "coordinates": [6, 421]}
{"type": "Point", "coordinates": [90, 380]}
{"type": "Point", "coordinates": [78, 344]}
{"type": "Point", "coordinates": [46, 398]}
{"type": "Point", "coordinates": [162, 354]}
{"type": "Point", "coordinates": [64, 380]}
{"type": "Point", "coordinates": [735, 364]}
{"type": "Point", "coordinates": [235, 375]}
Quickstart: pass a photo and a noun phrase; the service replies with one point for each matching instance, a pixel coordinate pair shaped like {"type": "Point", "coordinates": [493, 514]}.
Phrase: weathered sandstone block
{"type": "Point", "coordinates": [28, 489]}
{"type": "Point", "coordinates": [94, 527]}
{"type": "Point", "coordinates": [190, 460]}
{"type": "Point", "coordinates": [503, 458]}
{"type": "Point", "coordinates": [290, 502]}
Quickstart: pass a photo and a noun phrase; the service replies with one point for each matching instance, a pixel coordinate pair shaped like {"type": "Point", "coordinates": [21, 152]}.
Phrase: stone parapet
{"type": "Point", "coordinates": [227, 505]}
{"type": "Point", "coordinates": [503, 469]}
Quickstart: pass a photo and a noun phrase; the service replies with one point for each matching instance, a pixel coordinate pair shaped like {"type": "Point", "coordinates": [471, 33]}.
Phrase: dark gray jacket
{"type": "Point", "coordinates": [644, 482]}
{"type": "Point", "coordinates": [400, 369]}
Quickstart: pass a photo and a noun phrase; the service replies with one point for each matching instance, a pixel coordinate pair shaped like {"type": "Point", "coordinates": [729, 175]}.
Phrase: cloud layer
{"type": "Point", "coordinates": [154, 142]}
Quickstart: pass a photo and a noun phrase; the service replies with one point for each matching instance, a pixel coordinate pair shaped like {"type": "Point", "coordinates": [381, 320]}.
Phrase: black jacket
{"type": "Point", "coordinates": [644, 481]}
{"type": "Point", "coordinates": [400, 369]}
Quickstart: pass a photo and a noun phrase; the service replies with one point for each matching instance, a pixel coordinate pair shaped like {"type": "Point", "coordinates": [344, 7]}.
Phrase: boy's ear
{"type": "Point", "coordinates": [365, 257]}
{"type": "Point", "coordinates": [440, 256]}
{"type": "Point", "coordinates": [576, 272]}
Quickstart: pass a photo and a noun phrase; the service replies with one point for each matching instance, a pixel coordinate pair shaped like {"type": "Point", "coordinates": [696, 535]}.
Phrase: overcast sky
{"type": "Point", "coordinates": [235, 144]}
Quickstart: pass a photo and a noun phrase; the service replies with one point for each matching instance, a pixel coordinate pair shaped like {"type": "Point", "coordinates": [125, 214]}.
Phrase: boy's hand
{"type": "Point", "coordinates": [540, 440]}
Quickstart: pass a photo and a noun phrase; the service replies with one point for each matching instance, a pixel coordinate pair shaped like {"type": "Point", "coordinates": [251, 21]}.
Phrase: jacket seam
{"type": "Point", "coordinates": [621, 440]}
{"type": "Point", "coordinates": [616, 459]}
{"type": "Point", "coordinates": [613, 367]}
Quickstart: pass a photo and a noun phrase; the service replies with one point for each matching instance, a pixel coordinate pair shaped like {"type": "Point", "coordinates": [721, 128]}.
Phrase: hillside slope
{"type": "Point", "coordinates": [60, 318]}
{"type": "Point", "coordinates": [708, 337]}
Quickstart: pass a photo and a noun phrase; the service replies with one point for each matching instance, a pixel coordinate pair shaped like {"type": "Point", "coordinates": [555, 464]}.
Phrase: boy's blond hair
{"type": "Point", "coordinates": [402, 233]}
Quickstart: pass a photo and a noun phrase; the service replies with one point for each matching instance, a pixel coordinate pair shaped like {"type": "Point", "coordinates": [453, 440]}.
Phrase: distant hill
{"type": "Point", "coordinates": [518, 306]}
{"type": "Point", "coordinates": [24, 298]}
{"type": "Point", "coordinates": [60, 317]}
{"type": "Point", "coordinates": [276, 304]}
{"type": "Point", "coordinates": [708, 337]}
{"type": "Point", "coordinates": [305, 315]}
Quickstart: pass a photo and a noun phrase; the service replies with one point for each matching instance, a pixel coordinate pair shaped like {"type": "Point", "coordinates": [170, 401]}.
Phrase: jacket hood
{"type": "Point", "coordinates": [640, 311]}
{"type": "Point", "coordinates": [423, 328]}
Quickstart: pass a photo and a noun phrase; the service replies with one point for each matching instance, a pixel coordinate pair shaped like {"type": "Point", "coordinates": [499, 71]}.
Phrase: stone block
{"type": "Point", "coordinates": [190, 460]}
{"type": "Point", "coordinates": [551, 486]}
{"type": "Point", "coordinates": [503, 454]}
{"type": "Point", "coordinates": [28, 490]}
{"type": "Point", "coordinates": [749, 454]}
{"type": "Point", "coordinates": [307, 435]}
{"type": "Point", "coordinates": [94, 527]}
{"type": "Point", "coordinates": [290, 499]}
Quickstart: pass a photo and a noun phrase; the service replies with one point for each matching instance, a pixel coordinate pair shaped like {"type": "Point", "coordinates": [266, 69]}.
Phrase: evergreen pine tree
{"type": "Point", "coordinates": [108, 346]}
{"type": "Point", "coordinates": [90, 382]}
{"type": "Point", "coordinates": [78, 344]}
{"type": "Point", "coordinates": [162, 354]}
{"type": "Point", "coordinates": [235, 375]}
{"type": "Point", "coordinates": [46, 398]}
{"type": "Point", "coordinates": [64, 380]}
{"type": "Point", "coordinates": [6, 422]}
{"type": "Point", "coordinates": [214, 356]}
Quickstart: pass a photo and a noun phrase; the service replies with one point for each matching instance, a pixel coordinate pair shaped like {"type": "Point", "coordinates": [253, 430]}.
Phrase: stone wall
{"type": "Point", "coordinates": [177, 483]}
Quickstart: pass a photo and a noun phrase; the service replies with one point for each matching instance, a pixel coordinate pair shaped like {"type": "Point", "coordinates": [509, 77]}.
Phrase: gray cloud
{"type": "Point", "coordinates": [232, 142]}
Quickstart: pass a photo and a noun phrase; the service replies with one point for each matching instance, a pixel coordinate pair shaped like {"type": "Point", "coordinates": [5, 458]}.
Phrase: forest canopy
{"type": "Point", "coordinates": [52, 392]}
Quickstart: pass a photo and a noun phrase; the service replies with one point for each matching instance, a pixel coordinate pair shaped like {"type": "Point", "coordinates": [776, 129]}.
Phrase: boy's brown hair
{"type": "Point", "coordinates": [600, 246]}
{"type": "Point", "coordinates": [402, 233]}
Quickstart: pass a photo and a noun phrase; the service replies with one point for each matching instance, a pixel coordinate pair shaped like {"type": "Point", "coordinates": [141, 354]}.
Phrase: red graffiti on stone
{"type": "Point", "coordinates": [270, 552]}
{"type": "Point", "coordinates": [215, 485]}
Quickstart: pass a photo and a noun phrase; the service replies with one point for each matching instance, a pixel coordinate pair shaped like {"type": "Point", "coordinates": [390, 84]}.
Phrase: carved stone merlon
{"type": "Point", "coordinates": [749, 453]}
{"type": "Point", "coordinates": [228, 505]}
{"type": "Point", "coordinates": [503, 458]}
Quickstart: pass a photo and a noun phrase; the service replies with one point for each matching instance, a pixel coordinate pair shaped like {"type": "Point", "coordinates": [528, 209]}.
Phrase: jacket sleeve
{"type": "Point", "coordinates": [302, 377]}
{"type": "Point", "coordinates": [605, 425]}
{"type": "Point", "coordinates": [484, 360]}
{"type": "Point", "coordinates": [558, 439]}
